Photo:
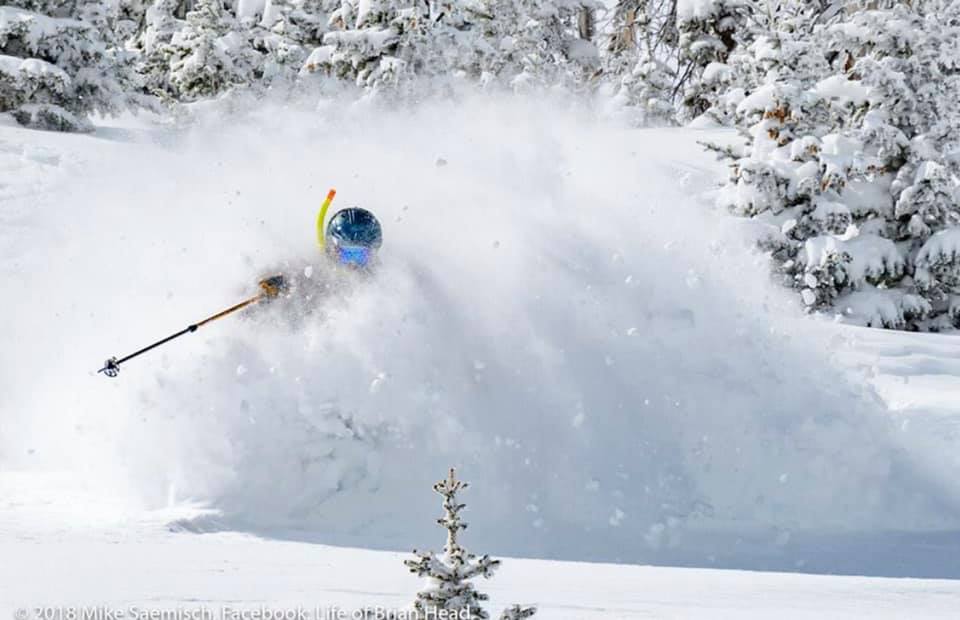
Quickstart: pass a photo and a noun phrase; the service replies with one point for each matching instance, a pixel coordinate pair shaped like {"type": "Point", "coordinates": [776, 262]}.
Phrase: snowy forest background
{"type": "Point", "coordinates": [849, 164]}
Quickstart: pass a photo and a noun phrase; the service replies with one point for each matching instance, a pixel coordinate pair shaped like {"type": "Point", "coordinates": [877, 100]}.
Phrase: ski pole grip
{"type": "Point", "coordinates": [274, 285]}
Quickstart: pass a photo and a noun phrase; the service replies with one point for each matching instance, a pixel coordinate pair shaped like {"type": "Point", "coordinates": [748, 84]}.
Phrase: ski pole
{"type": "Point", "coordinates": [271, 287]}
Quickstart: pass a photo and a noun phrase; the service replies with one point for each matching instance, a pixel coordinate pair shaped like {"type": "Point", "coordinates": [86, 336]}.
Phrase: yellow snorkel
{"type": "Point", "coordinates": [322, 216]}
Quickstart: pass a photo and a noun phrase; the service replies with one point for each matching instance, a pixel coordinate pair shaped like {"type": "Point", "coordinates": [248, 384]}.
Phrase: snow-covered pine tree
{"type": "Point", "coordinates": [778, 177]}
{"type": "Point", "coordinates": [287, 31]}
{"type": "Point", "coordinates": [397, 47]}
{"type": "Point", "coordinates": [847, 157]}
{"type": "Point", "coordinates": [906, 133]}
{"type": "Point", "coordinates": [278, 39]}
{"type": "Point", "coordinates": [622, 45]}
{"type": "Point", "coordinates": [310, 17]}
{"type": "Point", "coordinates": [541, 44]}
{"type": "Point", "coordinates": [647, 90]}
{"type": "Point", "coordinates": [709, 32]}
{"type": "Point", "coordinates": [159, 24]}
{"type": "Point", "coordinates": [389, 45]}
{"type": "Point", "coordinates": [59, 63]}
{"type": "Point", "coordinates": [496, 25]}
{"type": "Point", "coordinates": [361, 45]}
{"type": "Point", "coordinates": [450, 589]}
{"type": "Point", "coordinates": [112, 81]}
{"type": "Point", "coordinates": [437, 42]}
{"type": "Point", "coordinates": [678, 59]}
{"type": "Point", "coordinates": [210, 54]}
{"type": "Point", "coordinates": [640, 50]}
{"type": "Point", "coordinates": [190, 54]}
{"type": "Point", "coordinates": [129, 19]}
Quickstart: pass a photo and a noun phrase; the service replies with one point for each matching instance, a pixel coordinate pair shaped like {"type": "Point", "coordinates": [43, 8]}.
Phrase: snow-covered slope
{"type": "Point", "coordinates": [556, 315]}
{"type": "Point", "coordinates": [131, 563]}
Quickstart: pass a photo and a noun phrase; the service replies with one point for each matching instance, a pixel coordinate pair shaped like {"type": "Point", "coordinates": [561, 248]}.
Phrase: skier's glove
{"type": "Point", "coordinates": [274, 286]}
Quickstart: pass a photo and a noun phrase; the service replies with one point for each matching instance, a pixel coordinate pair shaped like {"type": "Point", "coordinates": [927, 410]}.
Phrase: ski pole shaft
{"type": "Point", "coordinates": [230, 310]}
{"type": "Point", "coordinates": [156, 344]}
{"type": "Point", "coordinates": [112, 366]}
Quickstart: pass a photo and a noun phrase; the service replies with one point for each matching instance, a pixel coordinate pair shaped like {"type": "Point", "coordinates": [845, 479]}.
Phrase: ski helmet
{"type": "Point", "coordinates": [353, 236]}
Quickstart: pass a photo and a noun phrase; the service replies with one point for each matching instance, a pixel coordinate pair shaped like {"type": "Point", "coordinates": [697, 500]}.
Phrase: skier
{"type": "Point", "coordinates": [349, 243]}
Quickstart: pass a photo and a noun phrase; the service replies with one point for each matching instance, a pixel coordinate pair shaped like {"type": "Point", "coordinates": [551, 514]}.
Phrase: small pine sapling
{"type": "Point", "coordinates": [450, 592]}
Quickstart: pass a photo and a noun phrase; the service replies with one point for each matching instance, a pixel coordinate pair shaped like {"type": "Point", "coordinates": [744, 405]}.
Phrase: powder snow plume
{"type": "Point", "coordinates": [557, 314]}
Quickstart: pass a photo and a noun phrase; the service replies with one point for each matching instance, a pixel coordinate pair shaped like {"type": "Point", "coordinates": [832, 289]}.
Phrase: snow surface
{"type": "Point", "coordinates": [109, 559]}
{"type": "Point", "coordinates": [558, 315]}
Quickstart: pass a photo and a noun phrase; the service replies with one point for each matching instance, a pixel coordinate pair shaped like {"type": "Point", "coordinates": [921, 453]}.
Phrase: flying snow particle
{"type": "Point", "coordinates": [578, 419]}
{"type": "Point", "coordinates": [631, 331]}
{"type": "Point", "coordinates": [308, 271]}
{"type": "Point", "coordinates": [241, 370]}
{"type": "Point", "coordinates": [377, 383]}
{"type": "Point", "coordinates": [617, 517]}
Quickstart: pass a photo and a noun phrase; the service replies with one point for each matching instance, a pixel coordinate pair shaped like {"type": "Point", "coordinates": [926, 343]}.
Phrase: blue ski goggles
{"type": "Point", "coordinates": [357, 256]}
